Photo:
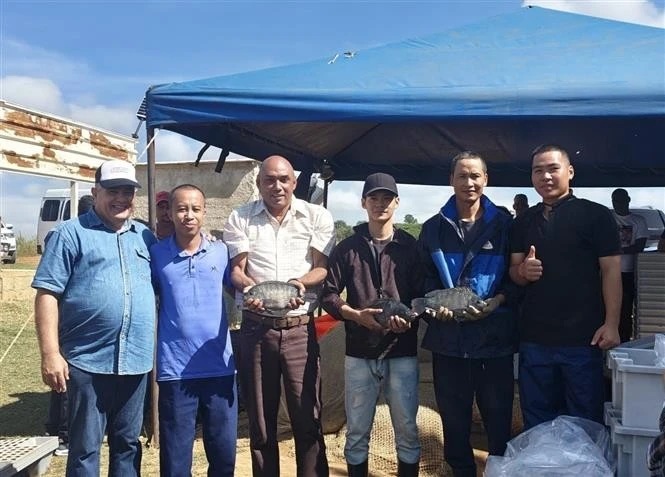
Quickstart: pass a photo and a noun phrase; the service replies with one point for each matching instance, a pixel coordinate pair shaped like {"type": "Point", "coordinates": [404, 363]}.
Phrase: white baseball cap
{"type": "Point", "coordinates": [116, 174]}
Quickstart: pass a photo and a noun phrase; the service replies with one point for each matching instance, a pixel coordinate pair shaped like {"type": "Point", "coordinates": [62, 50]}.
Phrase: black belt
{"type": "Point", "coordinates": [277, 323]}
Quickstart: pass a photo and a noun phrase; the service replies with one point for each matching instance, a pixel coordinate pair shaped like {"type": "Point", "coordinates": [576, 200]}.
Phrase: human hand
{"type": "Point", "coordinates": [480, 312]}
{"type": "Point", "coordinates": [606, 337]}
{"type": "Point", "coordinates": [298, 301]}
{"type": "Point", "coordinates": [365, 317]}
{"type": "Point", "coordinates": [442, 313]}
{"type": "Point", "coordinates": [397, 324]}
{"type": "Point", "coordinates": [252, 304]}
{"type": "Point", "coordinates": [55, 371]}
{"type": "Point", "coordinates": [531, 269]}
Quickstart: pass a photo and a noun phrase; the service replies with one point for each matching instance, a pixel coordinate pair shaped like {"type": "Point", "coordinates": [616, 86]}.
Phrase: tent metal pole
{"type": "Point", "coordinates": [153, 437]}
{"type": "Point", "coordinates": [152, 207]}
{"type": "Point", "coordinates": [325, 193]}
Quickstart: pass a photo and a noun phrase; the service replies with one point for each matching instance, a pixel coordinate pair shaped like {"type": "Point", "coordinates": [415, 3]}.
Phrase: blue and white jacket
{"type": "Point", "coordinates": [483, 266]}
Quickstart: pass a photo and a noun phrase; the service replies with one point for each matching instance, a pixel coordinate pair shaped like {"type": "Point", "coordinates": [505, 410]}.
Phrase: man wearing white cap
{"type": "Point", "coordinates": [95, 314]}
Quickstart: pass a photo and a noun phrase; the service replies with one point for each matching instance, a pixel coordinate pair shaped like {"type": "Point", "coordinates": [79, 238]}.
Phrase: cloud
{"type": "Point", "coordinates": [643, 12]}
{"type": "Point", "coordinates": [43, 94]}
{"type": "Point", "coordinates": [36, 93]}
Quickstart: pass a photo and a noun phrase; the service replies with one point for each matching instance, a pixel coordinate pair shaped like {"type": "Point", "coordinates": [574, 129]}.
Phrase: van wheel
{"type": "Point", "coordinates": [12, 259]}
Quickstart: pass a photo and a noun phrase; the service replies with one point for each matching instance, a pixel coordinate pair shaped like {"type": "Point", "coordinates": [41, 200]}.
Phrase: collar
{"type": "Point", "coordinates": [363, 231]}
{"type": "Point", "coordinates": [558, 202]}
{"type": "Point", "coordinates": [96, 222]}
{"type": "Point", "coordinates": [449, 210]}
{"type": "Point", "coordinates": [176, 251]}
{"type": "Point", "coordinates": [297, 207]}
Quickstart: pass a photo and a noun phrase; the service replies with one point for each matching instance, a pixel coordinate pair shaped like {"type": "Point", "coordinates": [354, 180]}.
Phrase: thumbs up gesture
{"type": "Point", "coordinates": [531, 268]}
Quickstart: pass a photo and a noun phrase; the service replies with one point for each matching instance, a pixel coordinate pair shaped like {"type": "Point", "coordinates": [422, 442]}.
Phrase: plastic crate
{"type": "Point", "coordinates": [638, 390]}
{"type": "Point", "coordinates": [30, 455]}
{"type": "Point", "coordinates": [629, 444]}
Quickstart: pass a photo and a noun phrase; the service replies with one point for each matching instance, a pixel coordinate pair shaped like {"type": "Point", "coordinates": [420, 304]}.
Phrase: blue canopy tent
{"type": "Point", "coordinates": [500, 87]}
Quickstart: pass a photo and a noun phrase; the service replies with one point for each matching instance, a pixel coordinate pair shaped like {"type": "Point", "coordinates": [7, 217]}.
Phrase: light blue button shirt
{"type": "Point", "coordinates": [106, 299]}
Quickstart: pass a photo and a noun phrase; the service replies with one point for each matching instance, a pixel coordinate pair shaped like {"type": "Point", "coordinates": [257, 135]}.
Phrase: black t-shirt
{"type": "Point", "coordinates": [565, 306]}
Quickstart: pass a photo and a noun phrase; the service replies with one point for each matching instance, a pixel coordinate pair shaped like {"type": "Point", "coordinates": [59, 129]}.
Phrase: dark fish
{"type": "Point", "coordinates": [455, 299]}
{"type": "Point", "coordinates": [391, 307]}
{"type": "Point", "coordinates": [275, 296]}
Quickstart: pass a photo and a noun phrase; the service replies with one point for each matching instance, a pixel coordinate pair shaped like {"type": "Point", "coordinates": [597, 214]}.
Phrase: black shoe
{"type": "Point", "coordinates": [407, 470]}
{"type": "Point", "coordinates": [358, 470]}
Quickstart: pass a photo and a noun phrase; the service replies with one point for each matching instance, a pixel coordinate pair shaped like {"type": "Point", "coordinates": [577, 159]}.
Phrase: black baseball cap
{"type": "Point", "coordinates": [379, 181]}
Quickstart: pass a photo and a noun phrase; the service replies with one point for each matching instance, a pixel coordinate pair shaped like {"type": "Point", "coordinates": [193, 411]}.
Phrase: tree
{"type": "Point", "coordinates": [342, 230]}
{"type": "Point", "coordinates": [410, 219]}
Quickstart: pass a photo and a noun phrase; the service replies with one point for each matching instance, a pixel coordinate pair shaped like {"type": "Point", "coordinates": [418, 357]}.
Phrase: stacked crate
{"type": "Point", "coordinates": [638, 393]}
{"type": "Point", "coordinates": [650, 294]}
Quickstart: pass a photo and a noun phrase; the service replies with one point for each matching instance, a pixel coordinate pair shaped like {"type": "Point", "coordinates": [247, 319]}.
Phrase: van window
{"type": "Point", "coordinates": [50, 210]}
{"type": "Point", "coordinates": [67, 212]}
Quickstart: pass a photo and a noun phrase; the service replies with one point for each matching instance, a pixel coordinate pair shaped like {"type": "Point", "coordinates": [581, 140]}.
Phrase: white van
{"type": "Point", "coordinates": [55, 208]}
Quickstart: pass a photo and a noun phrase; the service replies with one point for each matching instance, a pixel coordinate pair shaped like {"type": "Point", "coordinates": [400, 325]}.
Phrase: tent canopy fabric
{"type": "Point", "coordinates": [499, 87]}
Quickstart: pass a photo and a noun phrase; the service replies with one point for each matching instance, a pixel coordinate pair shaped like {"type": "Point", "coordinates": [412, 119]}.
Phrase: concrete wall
{"type": "Point", "coordinates": [224, 191]}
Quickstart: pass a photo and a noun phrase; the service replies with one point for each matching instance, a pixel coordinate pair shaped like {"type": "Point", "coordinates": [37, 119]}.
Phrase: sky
{"type": "Point", "coordinates": [92, 61]}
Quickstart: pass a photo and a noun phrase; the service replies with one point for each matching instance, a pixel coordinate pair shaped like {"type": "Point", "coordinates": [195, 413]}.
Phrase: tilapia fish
{"type": "Point", "coordinates": [455, 299]}
{"type": "Point", "coordinates": [275, 296]}
{"type": "Point", "coordinates": [391, 307]}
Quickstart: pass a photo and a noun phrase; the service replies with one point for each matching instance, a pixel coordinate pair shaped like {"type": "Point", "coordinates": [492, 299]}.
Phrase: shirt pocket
{"type": "Point", "coordinates": [143, 264]}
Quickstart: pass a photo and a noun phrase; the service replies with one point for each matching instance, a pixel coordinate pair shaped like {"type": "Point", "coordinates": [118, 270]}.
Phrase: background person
{"type": "Point", "coordinates": [95, 315]}
{"type": "Point", "coordinates": [195, 365]}
{"type": "Point", "coordinates": [566, 253]}
{"type": "Point", "coordinates": [283, 238]}
{"type": "Point", "coordinates": [633, 233]}
{"type": "Point", "coordinates": [466, 244]}
{"type": "Point", "coordinates": [164, 227]}
{"type": "Point", "coordinates": [520, 204]}
{"type": "Point", "coordinates": [377, 261]}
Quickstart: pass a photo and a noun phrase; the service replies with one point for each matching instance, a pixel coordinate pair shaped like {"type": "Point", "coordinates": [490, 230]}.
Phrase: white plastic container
{"type": "Point", "coordinates": [30, 455]}
{"type": "Point", "coordinates": [638, 390]}
{"type": "Point", "coordinates": [630, 445]}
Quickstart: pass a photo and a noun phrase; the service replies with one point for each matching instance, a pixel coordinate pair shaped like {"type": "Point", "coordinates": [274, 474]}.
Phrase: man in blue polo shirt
{"type": "Point", "coordinates": [95, 315]}
{"type": "Point", "coordinates": [195, 365]}
{"type": "Point", "coordinates": [566, 253]}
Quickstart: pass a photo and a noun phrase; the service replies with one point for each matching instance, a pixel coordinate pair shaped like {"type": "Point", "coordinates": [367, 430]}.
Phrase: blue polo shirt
{"type": "Point", "coordinates": [106, 300]}
{"type": "Point", "coordinates": [193, 339]}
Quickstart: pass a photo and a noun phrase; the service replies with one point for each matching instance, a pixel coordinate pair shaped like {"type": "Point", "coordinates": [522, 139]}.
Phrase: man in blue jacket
{"type": "Point", "coordinates": [466, 244]}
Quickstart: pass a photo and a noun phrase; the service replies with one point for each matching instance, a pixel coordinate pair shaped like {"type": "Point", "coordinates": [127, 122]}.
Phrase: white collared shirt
{"type": "Point", "coordinates": [280, 251]}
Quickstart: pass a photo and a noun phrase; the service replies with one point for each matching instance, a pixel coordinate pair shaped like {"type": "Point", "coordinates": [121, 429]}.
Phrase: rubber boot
{"type": "Point", "coordinates": [407, 470]}
{"type": "Point", "coordinates": [358, 470]}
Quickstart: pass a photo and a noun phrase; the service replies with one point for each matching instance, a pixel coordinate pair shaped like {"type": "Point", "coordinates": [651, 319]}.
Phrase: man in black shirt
{"type": "Point", "coordinates": [566, 252]}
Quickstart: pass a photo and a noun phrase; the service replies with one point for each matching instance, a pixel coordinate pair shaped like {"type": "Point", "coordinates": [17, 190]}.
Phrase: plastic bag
{"type": "Point", "coordinates": [659, 348]}
{"type": "Point", "coordinates": [562, 447]}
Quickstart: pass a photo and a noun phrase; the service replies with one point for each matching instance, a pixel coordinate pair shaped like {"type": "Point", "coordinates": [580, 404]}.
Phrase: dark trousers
{"type": "Point", "coordinates": [99, 403]}
{"type": "Point", "coordinates": [627, 300]}
{"type": "Point", "coordinates": [456, 382]}
{"type": "Point", "coordinates": [56, 421]}
{"type": "Point", "coordinates": [269, 356]}
{"type": "Point", "coordinates": [560, 380]}
{"type": "Point", "coordinates": [179, 402]}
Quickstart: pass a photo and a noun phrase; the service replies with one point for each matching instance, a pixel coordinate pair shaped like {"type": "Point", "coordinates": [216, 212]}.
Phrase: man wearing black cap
{"type": "Point", "coordinates": [95, 315]}
{"type": "Point", "coordinates": [378, 261]}
{"type": "Point", "coordinates": [466, 245]}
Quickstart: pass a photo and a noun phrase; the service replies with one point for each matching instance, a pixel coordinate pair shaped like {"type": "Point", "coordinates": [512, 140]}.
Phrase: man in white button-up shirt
{"type": "Point", "coordinates": [280, 238]}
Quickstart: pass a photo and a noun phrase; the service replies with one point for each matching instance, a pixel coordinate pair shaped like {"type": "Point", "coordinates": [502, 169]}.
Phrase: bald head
{"type": "Point", "coordinates": [276, 182]}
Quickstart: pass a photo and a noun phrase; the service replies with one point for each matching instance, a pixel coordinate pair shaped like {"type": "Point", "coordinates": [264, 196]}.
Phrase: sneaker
{"type": "Point", "coordinates": [62, 450]}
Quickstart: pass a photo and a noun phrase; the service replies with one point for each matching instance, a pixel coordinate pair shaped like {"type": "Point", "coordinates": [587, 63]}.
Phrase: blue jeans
{"type": "Point", "coordinates": [99, 403]}
{"type": "Point", "coordinates": [556, 380]}
{"type": "Point", "coordinates": [179, 403]}
{"type": "Point", "coordinates": [363, 380]}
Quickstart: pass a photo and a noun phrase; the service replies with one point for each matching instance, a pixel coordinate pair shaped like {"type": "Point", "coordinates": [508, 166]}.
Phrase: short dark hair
{"type": "Point", "coordinates": [549, 148]}
{"type": "Point", "coordinates": [620, 193]}
{"type": "Point", "coordinates": [185, 187]}
{"type": "Point", "coordinates": [466, 155]}
{"type": "Point", "coordinates": [521, 197]}
{"type": "Point", "coordinates": [85, 204]}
